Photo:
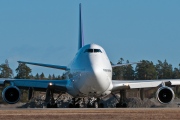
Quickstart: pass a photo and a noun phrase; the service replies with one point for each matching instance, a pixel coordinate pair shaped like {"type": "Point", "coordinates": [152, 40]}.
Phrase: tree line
{"type": "Point", "coordinates": [145, 70]}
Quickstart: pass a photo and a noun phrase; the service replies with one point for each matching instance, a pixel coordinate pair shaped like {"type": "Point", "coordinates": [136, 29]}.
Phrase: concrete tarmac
{"type": "Point", "coordinates": [91, 114]}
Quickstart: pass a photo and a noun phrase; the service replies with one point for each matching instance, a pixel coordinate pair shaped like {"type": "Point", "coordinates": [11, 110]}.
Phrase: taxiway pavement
{"type": "Point", "coordinates": [90, 114]}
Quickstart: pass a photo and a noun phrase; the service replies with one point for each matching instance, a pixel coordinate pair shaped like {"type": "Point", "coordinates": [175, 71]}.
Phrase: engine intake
{"type": "Point", "coordinates": [165, 95]}
{"type": "Point", "coordinates": [11, 94]}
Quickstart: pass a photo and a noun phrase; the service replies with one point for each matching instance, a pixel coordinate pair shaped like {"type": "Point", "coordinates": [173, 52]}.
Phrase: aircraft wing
{"type": "Point", "coordinates": [124, 64]}
{"type": "Point", "coordinates": [132, 84]}
{"type": "Point", "coordinates": [59, 85]}
{"type": "Point", "coordinates": [46, 65]}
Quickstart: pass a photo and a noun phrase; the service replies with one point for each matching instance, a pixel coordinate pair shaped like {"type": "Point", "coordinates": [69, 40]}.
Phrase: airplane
{"type": "Point", "coordinates": [88, 75]}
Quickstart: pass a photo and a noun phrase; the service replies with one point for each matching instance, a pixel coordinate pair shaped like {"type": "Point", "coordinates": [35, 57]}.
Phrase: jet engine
{"type": "Point", "coordinates": [165, 95]}
{"type": "Point", "coordinates": [11, 94]}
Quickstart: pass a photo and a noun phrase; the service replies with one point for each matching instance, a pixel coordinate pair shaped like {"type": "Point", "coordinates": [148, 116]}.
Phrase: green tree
{"type": "Point", "coordinates": [176, 73]}
{"type": "Point", "coordinates": [31, 76]}
{"type": "Point", "coordinates": [118, 71]}
{"type": "Point", "coordinates": [23, 71]}
{"type": "Point", "coordinates": [58, 77]}
{"type": "Point", "coordinates": [145, 70]}
{"type": "Point", "coordinates": [37, 76]}
{"type": "Point", "coordinates": [63, 76]}
{"type": "Point", "coordinates": [53, 77]}
{"type": "Point", "coordinates": [50, 77]}
{"type": "Point", "coordinates": [5, 70]}
{"type": "Point", "coordinates": [128, 72]}
{"type": "Point", "coordinates": [164, 70]}
{"type": "Point", "coordinates": [42, 76]}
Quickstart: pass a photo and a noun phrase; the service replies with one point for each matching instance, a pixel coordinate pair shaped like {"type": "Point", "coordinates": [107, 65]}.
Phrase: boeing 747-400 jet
{"type": "Point", "coordinates": [88, 75]}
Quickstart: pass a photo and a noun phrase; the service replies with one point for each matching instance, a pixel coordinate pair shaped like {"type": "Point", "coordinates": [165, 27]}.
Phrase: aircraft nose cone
{"type": "Point", "coordinates": [99, 80]}
{"type": "Point", "coordinates": [94, 81]}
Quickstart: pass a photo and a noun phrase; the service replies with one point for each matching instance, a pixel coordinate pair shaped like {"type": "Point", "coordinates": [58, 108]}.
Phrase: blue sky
{"type": "Point", "coordinates": [47, 31]}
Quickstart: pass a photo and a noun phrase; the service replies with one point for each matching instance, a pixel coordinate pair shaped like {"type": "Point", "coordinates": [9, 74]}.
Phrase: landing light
{"type": "Point", "coordinates": [50, 84]}
{"type": "Point", "coordinates": [125, 84]}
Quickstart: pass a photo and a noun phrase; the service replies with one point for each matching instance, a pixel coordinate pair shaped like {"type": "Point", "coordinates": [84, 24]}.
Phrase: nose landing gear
{"type": "Point", "coordinates": [94, 103]}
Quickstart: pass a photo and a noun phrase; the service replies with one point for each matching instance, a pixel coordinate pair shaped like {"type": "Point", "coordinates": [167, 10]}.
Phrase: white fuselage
{"type": "Point", "coordinates": [90, 72]}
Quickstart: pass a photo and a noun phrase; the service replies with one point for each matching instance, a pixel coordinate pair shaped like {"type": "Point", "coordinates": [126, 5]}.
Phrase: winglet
{"type": "Point", "coordinates": [81, 35]}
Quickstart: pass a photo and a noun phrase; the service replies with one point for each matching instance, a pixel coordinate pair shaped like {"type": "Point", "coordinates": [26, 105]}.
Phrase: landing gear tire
{"type": "Point", "coordinates": [94, 103]}
{"type": "Point", "coordinates": [101, 105]}
{"type": "Point", "coordinates": [89, 106]}
{"type": "Point", "coordinates": [71, 105]}
{"type": "Point", "coordinates": [77, 105]}
{"type": "Point", "coordinates": [118, 105]}
{"type": "Point", "coordinates": [48, 105]}
{"type": "Point", "coordinates": [52, 106]}
{"type": "Point", "coordinates": [123, 105]}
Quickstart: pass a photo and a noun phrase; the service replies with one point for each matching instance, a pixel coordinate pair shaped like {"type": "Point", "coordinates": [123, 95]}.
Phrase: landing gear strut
{"type": "Point", "coordinates": [94, 103]}
{"type": "Point", "coordinates": [75, 103]}
{"type": "Point", "coordinates": [50, 102]}
{"type": "Point", "coordinates": [121, 102]}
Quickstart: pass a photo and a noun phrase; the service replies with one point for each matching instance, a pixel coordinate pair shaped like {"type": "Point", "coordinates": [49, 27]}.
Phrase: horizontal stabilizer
{"type": "Point", "coordinates": [45, 65]}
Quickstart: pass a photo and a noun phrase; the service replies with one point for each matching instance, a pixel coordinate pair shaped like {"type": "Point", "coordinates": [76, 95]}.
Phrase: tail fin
{"type": "Point", "coordinates": [81, 35]}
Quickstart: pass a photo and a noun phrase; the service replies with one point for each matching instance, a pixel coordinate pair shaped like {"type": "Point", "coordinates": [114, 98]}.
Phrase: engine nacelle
{"type": "Point", "coordinates": [11, 94]}
{"type": "Point", "coordinates": [165, 95]}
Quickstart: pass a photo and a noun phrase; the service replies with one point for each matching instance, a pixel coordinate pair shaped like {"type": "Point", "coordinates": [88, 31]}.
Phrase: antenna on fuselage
{"type": "Point", "coordinates": [81, 35]}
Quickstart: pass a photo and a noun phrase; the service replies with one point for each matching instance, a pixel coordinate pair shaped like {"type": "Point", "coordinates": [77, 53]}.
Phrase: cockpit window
{"type": "Point", "coordinates": [89, 50]}
{"type": "Point", "coordinates": [93, 50]}
{"type": "Point", "coordinates": [97, 50]}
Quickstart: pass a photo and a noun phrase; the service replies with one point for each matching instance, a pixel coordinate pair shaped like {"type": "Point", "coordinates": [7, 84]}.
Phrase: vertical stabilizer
{"type": "Point", "coordinates": [81, 36]}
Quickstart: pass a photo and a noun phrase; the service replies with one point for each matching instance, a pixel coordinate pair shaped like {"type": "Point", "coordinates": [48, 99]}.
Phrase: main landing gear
{"type": "Point", "coordinates": [75, 103]}
{"type": "Point", "coordinates": [50, 102]}
{"type": "Point", "coordinates": [121, 102]}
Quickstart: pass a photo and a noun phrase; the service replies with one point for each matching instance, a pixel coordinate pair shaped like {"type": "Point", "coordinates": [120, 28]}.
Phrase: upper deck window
{"type": "Point", "coordinates": [93, 50]}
